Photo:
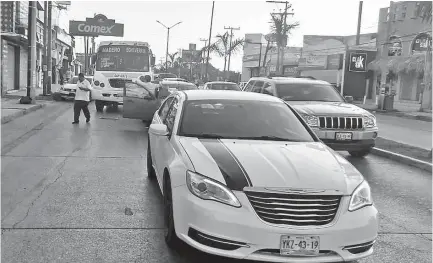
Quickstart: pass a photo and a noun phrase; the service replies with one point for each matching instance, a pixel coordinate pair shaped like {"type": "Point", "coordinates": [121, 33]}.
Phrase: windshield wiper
{"type": "Point", "coordinates": [268, 138]}
{"type": "Point", "coordinates": [204, 135]}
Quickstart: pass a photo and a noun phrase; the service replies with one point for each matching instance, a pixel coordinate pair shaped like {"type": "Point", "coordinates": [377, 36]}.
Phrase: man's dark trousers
{"type": "Point", "coordinates": [78, 106]}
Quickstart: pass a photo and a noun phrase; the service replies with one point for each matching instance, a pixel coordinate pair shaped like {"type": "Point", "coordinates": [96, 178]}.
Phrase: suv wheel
{"type": "Point", "coordinates": [360, 153]}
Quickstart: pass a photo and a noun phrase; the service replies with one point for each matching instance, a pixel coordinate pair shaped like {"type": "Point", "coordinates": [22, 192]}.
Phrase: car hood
{"type": "Point", "coordinates": [241, 163]}
{"type": "Point", "coordinates": [70, 86]}
{"type": "Point", "coordinates": [327, 108]}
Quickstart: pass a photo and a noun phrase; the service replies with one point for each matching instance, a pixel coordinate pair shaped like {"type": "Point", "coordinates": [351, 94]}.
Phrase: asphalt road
{"type": "Point", "coordinates": [412, 132]}
{"type": "Point", "coordinates": [65, 190]}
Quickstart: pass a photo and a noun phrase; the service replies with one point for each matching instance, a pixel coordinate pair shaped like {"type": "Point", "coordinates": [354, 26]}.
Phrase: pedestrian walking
{"type": "Point", "coordinates": [82, 99]}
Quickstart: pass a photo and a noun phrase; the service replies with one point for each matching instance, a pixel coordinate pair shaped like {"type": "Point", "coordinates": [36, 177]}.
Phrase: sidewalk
{"type": "Point", "coordinates": [11, 109]}
{"type": "Point", "coordinates": [416, 115]}
{"type": "Point", "coordinates": [17, 94]}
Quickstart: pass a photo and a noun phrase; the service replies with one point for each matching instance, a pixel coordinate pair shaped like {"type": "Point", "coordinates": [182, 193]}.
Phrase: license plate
{"type": "Point", "coordinates": [71, 94]}
{"type": "Point", "coordinates": [343, 136]}
{"type": "Point", "coordinates": [118, 95]}
{"type": "Point", "coordinates": [300, 245]}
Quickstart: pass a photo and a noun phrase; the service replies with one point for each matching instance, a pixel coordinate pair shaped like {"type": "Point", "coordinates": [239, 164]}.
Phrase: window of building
{"type": "Point", "coordinates": [403, 12]}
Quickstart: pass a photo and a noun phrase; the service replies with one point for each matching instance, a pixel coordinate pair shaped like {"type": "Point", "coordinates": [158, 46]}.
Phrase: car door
{"type": "Point", "coordinates": [165, 151]}
{"type": "Point", "coordinates": [138, 102]}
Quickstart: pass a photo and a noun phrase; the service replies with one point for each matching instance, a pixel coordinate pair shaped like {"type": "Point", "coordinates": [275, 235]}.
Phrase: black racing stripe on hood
{"type": "Point", "coordinates": [234, 174]}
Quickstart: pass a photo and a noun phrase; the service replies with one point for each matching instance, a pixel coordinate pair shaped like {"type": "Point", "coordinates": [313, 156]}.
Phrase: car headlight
{"type": "Point", "coordinates": [361, 197]}
{"type": "Point", "coordinates": [369, 121]}
{"type": "Point", "coordinates": [311, 120]}
{"type": "Point", "coordinates": [207, 189]}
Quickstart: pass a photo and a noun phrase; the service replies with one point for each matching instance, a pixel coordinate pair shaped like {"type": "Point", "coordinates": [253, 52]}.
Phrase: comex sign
{"type": "Point", "coordinates": [97, 26]}
{"type": "Point", "coordinates": [358, 62]}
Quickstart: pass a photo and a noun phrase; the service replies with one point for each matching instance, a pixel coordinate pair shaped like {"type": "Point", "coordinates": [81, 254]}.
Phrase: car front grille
{"type": "Point", "coordinates": [294, 209]}
{"type": "Point", "coordinates": [346, 123]}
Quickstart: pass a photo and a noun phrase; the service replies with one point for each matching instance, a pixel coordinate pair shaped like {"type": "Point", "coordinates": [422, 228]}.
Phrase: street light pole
{"type": "Point", "coordinates": [168, 38]}
{"type": "Point", "coordinates": [210, 37]}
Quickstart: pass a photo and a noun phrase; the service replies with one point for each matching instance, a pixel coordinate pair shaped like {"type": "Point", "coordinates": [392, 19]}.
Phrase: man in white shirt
{"type": "Point", "coordinates": [82, 99]}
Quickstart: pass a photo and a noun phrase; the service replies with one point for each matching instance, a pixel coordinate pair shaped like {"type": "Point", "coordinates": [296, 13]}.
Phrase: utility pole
{"type": "Point", "coordinates": [285, 13]}
{"type": "Point", "coordinates": [202, 57]}
{"type": "Point", "coordinates": [231, 36]}
{"type": "Point", "coordinates": [49, 48]}
{"type": "Point", "coordinates": [385, 49]}
{"type": "Point", "coordinates": [210, 37]}
{"type": "Point", "coordinates": [85, 55]}
{"type": "Point", "coordinates": [31, 61]}
{"type": "Point", "coordinates": [45, 62]}
{"type": "Point", "coordinates": [358, 31]}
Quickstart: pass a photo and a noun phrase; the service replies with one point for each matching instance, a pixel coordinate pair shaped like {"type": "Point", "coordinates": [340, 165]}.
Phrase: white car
{"type": "Point", "coordinates": [68, 90]}
{"type": "Point", "coordinates": [221, 85]}
{"type": "Point", "coordinates": [239, 184]}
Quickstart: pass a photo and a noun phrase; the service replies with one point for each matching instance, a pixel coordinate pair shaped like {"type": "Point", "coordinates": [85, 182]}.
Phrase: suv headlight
{"type": "Point", "coordinates": [369, 121]}
{"type": "Point", "coordinates": [311, 120]}
{"type": "Point", "coordinates": [208, 189]}
{"type": "Point", "coordinates": [361, 197]}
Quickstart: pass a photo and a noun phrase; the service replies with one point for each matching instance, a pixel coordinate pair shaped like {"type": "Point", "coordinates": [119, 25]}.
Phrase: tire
{"type": "Point", "coordinates": [63, 99]}
{"type": "Point", "coordinates": [57, 97]}
{"type": "Point", "coordinates": [170, 235]}
{"type": "Point", "coordinates": [150, 171]}
{"type": "Point", "coordinates": [146, 123]}
{"type": "Point", "coordinates": [116, 106]}
{"type": "Point", "coordinates": [360, 153]}
{"type": "Point", "coordinates": [99, 106]}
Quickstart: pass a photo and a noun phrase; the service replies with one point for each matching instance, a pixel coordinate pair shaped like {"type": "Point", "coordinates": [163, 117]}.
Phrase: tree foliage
{"type": "Point", "coordinates": [280, 29]}
{"type": "Point", "coordinates": [426, 11]}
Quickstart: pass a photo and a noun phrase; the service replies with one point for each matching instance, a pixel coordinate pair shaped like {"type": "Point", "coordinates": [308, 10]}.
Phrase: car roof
{"type": "Point", "coordinates": [227, 95]}
{"type": "Point", "coordinates": [168, 81]}
{"type": "Point", "coordinates": [283, 80]}
{"type": "Point", "coordinates": [220, 82]}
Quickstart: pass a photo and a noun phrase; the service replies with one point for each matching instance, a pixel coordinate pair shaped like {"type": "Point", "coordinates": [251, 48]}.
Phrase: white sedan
{"type": "Point", "coordinates": [243, 176]}
{"type": "Point", "coordinates": [68, 90]}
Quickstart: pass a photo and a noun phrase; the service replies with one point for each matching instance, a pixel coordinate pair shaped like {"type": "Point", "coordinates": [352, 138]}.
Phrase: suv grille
{"type": "Point", "coordinates": [347, 123]}
{"type": "Point", "coordinates": [294, 209]}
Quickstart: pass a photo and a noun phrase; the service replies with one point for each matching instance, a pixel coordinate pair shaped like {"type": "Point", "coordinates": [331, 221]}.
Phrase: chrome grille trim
{"type": "Point", "coordinates": [294, 209]}
{"type": "Point", "coordinates": [346, 123]}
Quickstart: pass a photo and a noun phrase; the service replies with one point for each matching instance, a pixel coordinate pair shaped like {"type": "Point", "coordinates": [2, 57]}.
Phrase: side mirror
{"type": "Point", "coordinates": [148, 97]}
{"type": "Point", "coordinates": [152, 61]}
{"type": "Point", "coordinates": [349, 99]}
{"type": "Point", "coordinates": [158, 129]}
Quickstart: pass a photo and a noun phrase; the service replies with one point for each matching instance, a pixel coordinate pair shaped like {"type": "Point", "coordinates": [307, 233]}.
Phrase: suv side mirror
{"type": "Point", "coordinates": [349, 99]}
{"type": "Point", "coordinates": [152, 61]}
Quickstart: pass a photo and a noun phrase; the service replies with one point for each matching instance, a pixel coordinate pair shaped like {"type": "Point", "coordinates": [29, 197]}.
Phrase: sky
{"type": "Point", "coordinates": [316, 17]}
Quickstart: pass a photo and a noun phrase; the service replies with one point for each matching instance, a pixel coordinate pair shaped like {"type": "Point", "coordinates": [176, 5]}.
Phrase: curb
{"type": "Point", "coordinates": [402, 114]}
{"type": "Point", "coordinates": [403, 159]}
{"type": "Point", "coordinates": [11, 117]}
{"type": "Point", "coordinates": [38, 97]}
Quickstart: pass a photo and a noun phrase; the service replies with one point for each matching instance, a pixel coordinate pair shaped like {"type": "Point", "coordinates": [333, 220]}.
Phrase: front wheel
{"type": "Point", "coordinates": [99, 106]}
{"type": "Point", "coordinates": [170, 232]}
{"type": "Point", "coordinates": [150, 171]}
{"type": "Point", "coordinates": [360, 153]}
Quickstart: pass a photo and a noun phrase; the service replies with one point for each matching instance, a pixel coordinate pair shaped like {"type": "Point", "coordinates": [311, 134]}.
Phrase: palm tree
{"type": "Point", "coordinates": [223, 48]}
{"type": "Point", "coordinates": [172, 58]}
{"type": "Point", "coordinates": [281, 30]}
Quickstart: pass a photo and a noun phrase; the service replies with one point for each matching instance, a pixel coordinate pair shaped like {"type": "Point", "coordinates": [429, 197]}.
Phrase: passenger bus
{"type": "Point", "coordinates": [118, 62]}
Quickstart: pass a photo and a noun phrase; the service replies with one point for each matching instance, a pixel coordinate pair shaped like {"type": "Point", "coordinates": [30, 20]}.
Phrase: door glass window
{"type": "Point", "coordinates": [171, 116]}
{"type": "Point", "coordinates": [249, 86]}
{"type": "Point", "coordinates": [136, 91]}
{"type": "Point", "coordinates": [258, 86]}
{"type": "Point", "coordinates": [165, 107]}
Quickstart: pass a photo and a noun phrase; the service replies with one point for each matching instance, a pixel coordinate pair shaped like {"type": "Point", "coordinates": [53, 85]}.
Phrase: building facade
{"type": "Point", "coordinates": [403, 63]}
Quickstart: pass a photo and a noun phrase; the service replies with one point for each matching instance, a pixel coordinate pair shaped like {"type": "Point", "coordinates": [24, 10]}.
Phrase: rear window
{"type": "Point", "coordinates": [224, 86]}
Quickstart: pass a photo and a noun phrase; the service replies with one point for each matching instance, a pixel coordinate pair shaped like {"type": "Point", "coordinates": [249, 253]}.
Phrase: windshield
{"type": "Point", "coordinates": [74, 80]}
{"type": "Point", "coordinates": [223, 86]}
{"type": "Point", "coordinates": [307, 92]}
{"type": "Point", "coordinates": [186, 86]}
{"type": "Point", "coordinates": [242, 119]}
{"type": "Point", "coordinates": [123, 58]}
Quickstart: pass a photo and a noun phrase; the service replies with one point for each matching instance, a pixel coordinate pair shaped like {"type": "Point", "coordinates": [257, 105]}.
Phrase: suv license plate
{"type": "Point", "coordinates": [300, 245]}
{"type": "Point", "coordinates": [343, 136]}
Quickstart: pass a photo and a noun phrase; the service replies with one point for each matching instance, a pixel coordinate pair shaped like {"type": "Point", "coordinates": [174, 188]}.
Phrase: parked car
{"type": "Point", "coordinates": [339, 124]}
{"type": "Point", "coordinates": [221, 85]}
{"type": "Point", "coordinates": [172, 85]}
{"type": "Point", "coordinates": [241, 184]}
{"type": "Point", "coordinates": [68, 90]}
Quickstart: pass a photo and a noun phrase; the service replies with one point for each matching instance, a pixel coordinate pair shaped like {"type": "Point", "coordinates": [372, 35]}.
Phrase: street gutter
{"type": "Point", "coordinates": [403, 159]}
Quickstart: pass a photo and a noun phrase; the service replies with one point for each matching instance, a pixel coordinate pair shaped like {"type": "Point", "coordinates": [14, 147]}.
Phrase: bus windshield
{"type": "Point", "coordinates": [123, 58]}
